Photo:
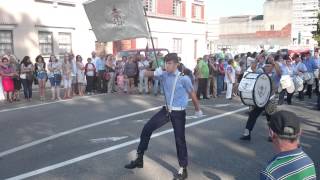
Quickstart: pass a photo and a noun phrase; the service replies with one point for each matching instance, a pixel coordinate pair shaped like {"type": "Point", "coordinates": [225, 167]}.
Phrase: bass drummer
{"type": "Point", "coordinates": [311, 67]}
{"type": "Point", "coordinates": [299, 70]}
{"type": "Point", "coordinates": [286, 81]}
{"type": "Point", "coordinates": [271, 68]}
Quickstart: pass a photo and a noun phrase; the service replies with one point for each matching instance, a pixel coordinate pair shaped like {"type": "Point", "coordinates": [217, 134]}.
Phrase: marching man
{"type": "Point", "coordinates": [273, 70]}
{"type": "Point", "coordinates": [177, 89]}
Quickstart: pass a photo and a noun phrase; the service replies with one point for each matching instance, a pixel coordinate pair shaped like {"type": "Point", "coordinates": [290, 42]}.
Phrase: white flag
{"type": "Point", "coordinates": [113, 20]}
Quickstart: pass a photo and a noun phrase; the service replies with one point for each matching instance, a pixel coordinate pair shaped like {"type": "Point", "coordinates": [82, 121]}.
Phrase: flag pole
{"type": "Point", "coordinates": [154, 51]}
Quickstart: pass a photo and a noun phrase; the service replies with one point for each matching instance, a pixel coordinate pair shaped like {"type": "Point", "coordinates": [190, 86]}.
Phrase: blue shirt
{"type": "Point", "coordinates": [311, 65]}
{"type": "Point", "coordinates": [317, 60]}
{"type": "Point", "coordinates": [300, 67]}
{"type": "Point", "coordinates": [183, 88]}
{"type": "Point", "coordinates": [100, 65]}
{"type": "Point", "coordinates": [286, 70]}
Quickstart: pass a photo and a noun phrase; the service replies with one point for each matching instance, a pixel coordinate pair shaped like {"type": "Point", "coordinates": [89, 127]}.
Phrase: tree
{"type": "Point", "coordinates": [316, 34]}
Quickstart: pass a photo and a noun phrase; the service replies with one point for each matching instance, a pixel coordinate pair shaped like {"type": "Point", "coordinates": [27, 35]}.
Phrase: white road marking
{"type": "Point", "coordinates": [113, 139]}
{"type": "Point", "coordinates": [222, 105]}
{"type": "Point", "coordinates": [194, 117]}
{"type": "Point", "coordinates": [140, 120]}
{"type": "Point", "coordinates": [112, 148]}
{"type": "Point", "coordinates": [43, 140]}
{"type": "Point", "coordinates": [188, 117]}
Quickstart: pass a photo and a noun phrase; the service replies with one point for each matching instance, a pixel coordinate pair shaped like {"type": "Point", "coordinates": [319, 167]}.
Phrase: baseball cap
{"type": "Point", "coordinates": [285, 124]}
{"type": "Point", "coordinates": [171, 57]}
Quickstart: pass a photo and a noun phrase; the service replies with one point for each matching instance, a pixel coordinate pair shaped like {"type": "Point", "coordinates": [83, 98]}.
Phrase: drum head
{"type": "Point", "coordinates": [290, 89]}
{"type": "Point", "coordinates": [262, 90]}
{"type": "Point", "coordinates": [246, 88]}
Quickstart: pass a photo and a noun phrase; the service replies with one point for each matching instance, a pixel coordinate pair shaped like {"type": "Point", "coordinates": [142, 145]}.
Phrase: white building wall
{"type": "Point", "coordinates": [277, 13]}
{"type": "Point", "coordinates": [30, 16]}
{"type": "Point", "coordinates": [166, 30]}
{"type": "Point", "coordinates": [305, 14]}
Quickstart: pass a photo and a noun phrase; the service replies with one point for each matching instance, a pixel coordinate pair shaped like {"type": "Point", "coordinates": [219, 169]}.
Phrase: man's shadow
{"type": "Point", "coordinates": [211, 176]}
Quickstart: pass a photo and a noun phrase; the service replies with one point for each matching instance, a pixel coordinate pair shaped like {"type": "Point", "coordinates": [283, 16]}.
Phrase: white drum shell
{"type": "Point", "coordinates": [255, 89]}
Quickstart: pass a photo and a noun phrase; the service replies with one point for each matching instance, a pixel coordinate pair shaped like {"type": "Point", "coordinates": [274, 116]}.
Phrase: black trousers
{"type": "Point", "coordinates": [318, 104]}
{"type": "Point", "coordinates": [253, 116]}
{"type": "Point", "coordinates": [90, 80]}
{"type": "Point", "coordinates": [202, 87]}
{"type": "Point", "coordinates": [100, 81]}
{"type": "Point", "coordinates": [317, 85]}
{"type": "Point", "coordinates": [281, 97]}
{"type": "Point", "coordinates": [309, 89]}
{"type": "Point", "coordinates": [178, 120]}
{"type": "Point", "coordinates": [94, 87]}
{"type": "Point", "coordinates": [27, 88]}
{"type": "Point", "coordinates": [301, 95]}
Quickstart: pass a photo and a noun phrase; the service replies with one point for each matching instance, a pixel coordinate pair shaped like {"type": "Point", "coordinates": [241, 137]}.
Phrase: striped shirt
{"type": "Point", "coordinates": [291, 165]}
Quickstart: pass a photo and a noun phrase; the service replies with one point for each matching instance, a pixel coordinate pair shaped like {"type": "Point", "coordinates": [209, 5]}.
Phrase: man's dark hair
{"type": "Point", "coordinates": [172, 57]}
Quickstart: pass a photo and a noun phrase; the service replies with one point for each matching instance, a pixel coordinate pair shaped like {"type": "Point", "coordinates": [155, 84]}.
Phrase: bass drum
{"type": "Point", "coordinates": [255, 89]}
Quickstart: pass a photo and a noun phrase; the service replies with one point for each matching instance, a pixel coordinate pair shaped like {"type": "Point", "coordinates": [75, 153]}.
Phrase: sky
{"type": "Point", "coordinates": [220, 8]}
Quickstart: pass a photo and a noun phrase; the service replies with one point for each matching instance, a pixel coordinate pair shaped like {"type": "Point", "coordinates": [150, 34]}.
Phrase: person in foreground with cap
{"type": "Point", "coordinates": [290, 162]}
{"type": "Point", "coordinates": [177, 89]}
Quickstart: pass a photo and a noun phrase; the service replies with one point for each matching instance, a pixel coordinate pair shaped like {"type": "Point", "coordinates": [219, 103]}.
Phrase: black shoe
{"type": "Point", "coordinates": [138, 163]}
{"type": "Point", "coordinates": [246, 138]}
{"type": "Point", "coordinates": [181, 175]}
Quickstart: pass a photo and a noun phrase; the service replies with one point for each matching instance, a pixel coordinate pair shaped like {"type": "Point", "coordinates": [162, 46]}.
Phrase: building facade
{"type": "Point", "coordinates": [178, 25]}
{"type": "Point", "coordinates": [33, 27]}
{"type": "Point", "coordinates": [241, 34]}
{"type": "Point", "coordinates": [305, 19]}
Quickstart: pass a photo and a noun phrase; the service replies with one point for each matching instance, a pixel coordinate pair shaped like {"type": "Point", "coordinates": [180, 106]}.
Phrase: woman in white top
{"type": "Point", "coordinates": [81, 79]}
{"type": "Point", "coordinates": [230, 76]}
{"type": "Point", "coordinates": [67, 77]}
{"type": "Point", "coordinates": [55, 76]}
{"type": "Point", "coordinates": [26, 77]}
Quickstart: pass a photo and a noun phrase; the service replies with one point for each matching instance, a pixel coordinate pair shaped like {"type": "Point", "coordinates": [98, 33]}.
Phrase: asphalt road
{"type": "Point", "coordinates": [92, 138]}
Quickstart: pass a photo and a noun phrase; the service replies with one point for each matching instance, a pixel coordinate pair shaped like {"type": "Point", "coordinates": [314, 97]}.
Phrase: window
{"type": "Point", "coordinates": [6, 41]}
{"type": "Point", "coordinates": [65, 43]}
{"type": "Point", "coordinates": [197, 13]}
{"type": "Point", "coordinates": [55, 3]}
{"type": "Point", "coordinates": [177, 45]}
{"type": "Point", "coordinates": [272, 27]}
{"type": "Point", "coordinates": [150, 5]}
{"type": "Point", "coordinates": [46, 42]}
{"type": "Point", "coordinates": [177, 8]}
{"type": "Point", "coordinates": [155, 42]}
